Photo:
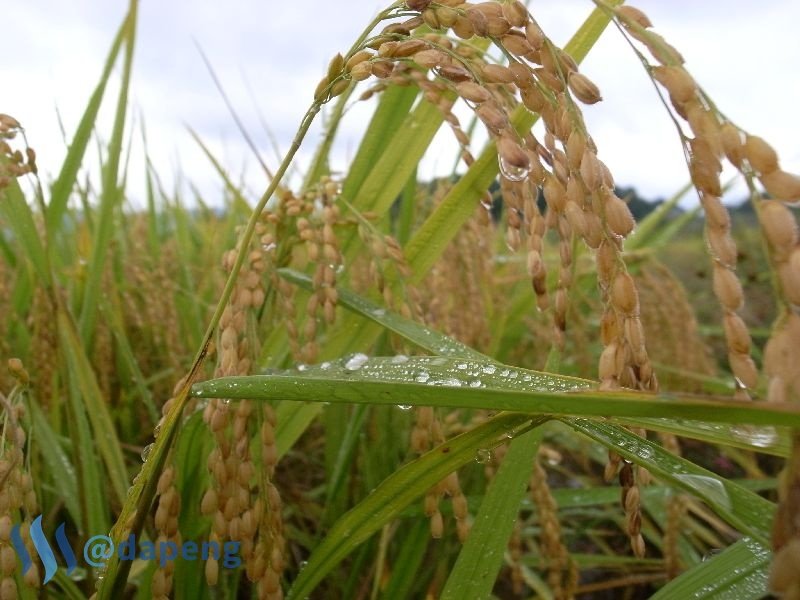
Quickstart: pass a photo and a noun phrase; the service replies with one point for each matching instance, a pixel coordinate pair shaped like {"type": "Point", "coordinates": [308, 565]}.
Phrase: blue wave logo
{"type": "Point", "coordinates": [44, 549]}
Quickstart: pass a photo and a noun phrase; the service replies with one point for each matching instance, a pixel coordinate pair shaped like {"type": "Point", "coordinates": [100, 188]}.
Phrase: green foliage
{"type": "Point", "coordinates": [115, 312]}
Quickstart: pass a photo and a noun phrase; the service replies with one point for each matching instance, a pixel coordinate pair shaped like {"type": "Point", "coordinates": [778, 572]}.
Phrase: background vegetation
{"type": "Point", "coordinates": [520, 381]}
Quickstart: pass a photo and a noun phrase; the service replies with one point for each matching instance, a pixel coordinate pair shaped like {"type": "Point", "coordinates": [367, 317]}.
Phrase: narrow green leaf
{"type": "Point", "coordinates": [17, 213]}
{"type": "Point", "coordinates": [648, 228]}
{"type": "Point", "coordinates": [403, 487]}
{"type": "Point", "coordinates": [768, 440]}
{"type": "Point", "coordinates": [65, 479]}
{"type": "Point", "coordinates": [394, 105]}
{"type": "Point", "coordinates": [425, 338]}
{"type": "Point", "coordinates": [405, 571]}
{"type": "Point", "coordinates": [737, 573]}
{"type": "Point", "coordinates": [743, 509]}
{"type": "Point", "coordinates": [111, 193]}
{"type": "Point", "coordinates": [464, 383]}
{"type": "Point", "coordinates": [62, 188]}
{"type": "Point", "coordinates": [480, 559]}
{"type": "Point", "coordinates": [92, 403]}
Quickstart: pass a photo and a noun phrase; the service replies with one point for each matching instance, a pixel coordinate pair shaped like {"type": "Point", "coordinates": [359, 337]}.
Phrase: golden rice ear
{"type": "Point", "coordinates": [618, 216]}
{"type": "Point", "coordinates": [761, 156]}
{"type": "Point", "coordinates": [497, 74]}
{"type": "Point", "coordinates": [780, 227]}
{"type": "Point", "coordinates": [634, 15]}
{"type": "Point", "coordinates": [515, 13]}
{"type": "Point", "coordinates": [469, 90]}
{"type": "Point", "coordinates": [584, 89]}
{"type": "Point", "coordinates": [727, 288]}
{"type": "Point", "coordinates": [511, 152]}
{"type": "Point", "coordinates": [680, 85]}
{"type": "Point", "coordinates": [782, 185]}
{"type": "Point", "coordinates": [534, 35]}
{"type": "Point", "coordinates": [418, 5]}
{"type": "Point", "coordinates": [335, 66]}
{"type": "Point", "coordinates": [624, 296]}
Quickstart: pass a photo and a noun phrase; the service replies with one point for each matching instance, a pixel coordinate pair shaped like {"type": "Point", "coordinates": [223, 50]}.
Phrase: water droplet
{"type": "Point", "coordinates": [378, 312]}
{"type": "Point", "coordinates": [711, 554]}
{"type": "Point", "coordinates": [422, 377]}
{"type": "Point", "coordinates": [404, 406]}
{"type": "Point", "coordinates": [325, 366]}
{"type": "Point", "coordinates": [269, 247]}
{"type": "Point", "coordinates": [489, 369]}
{"type": "Point", "coordinates": [708, 487]}
{"type": "Point", "coordinates": [146, 452]}
{"type": "Point", "coordinates": [475, 383]}
{"type": "Point", "coordinates": [461, 366]}
{"type": "Point", "coordinates": [399, 359]}
{"type": "Point", "coordinates": [356, 361]}
{"type": "Point", "coordinates": [483, 456]}
{"type": "Point", "coordinates": [511, 172]}
{"type": "Point", "coordinates": [761, 437]}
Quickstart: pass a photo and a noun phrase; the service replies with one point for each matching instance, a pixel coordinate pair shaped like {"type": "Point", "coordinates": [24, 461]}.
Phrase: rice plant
{"type": "Point", "coordinates": [367, 386]}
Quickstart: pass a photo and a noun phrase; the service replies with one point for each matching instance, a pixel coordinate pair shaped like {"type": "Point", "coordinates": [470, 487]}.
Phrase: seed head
{"type": "Point", "coordinates": [583, 88]}
{"type": "Point", "coordinates": [418, 5]}
{"type": "Point", "coordinates": [761, 156]}
{"type": "Point", "coordinates": [633, 14]}
{"type": "Point", "coordinates": [515, 13]}
{"type": "Point", "coordinates": [469, 90]}
{"type": "Point", "coordinates": [780, 227]}
{"type": "Point", "coordinates": [782, 185]}
{"type": "Point", "coordinates": [677, 81]}
{"type": "Point", "coordinates": [618, 216]}
{"type": "Point", "coordinates": [727, 288]}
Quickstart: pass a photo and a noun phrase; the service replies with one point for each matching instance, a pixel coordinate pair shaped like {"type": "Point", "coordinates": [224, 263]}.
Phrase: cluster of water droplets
{"type": "Point", "coordinates": [760, 437]}
{"type": "Point", "coordinates": [442, 371]}
{"type": "Point", "coordinates": [355, 362]}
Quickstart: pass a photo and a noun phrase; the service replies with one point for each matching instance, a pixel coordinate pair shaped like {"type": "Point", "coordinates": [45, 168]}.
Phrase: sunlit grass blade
{"type": "Point", "coordinates": [404, 486]}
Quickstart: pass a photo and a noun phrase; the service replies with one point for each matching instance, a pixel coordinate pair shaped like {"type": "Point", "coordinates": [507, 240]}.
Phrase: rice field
{"type": "Point", "coordinates": [500, 384]}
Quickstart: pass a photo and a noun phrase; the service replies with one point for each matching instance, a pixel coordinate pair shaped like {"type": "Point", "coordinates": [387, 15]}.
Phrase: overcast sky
{"type": "Point", "coordinates": [271, 54]}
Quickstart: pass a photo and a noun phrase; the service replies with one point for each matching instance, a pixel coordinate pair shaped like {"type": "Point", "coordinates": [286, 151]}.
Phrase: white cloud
{"type": "Point", "coordinates": [742, 54]}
